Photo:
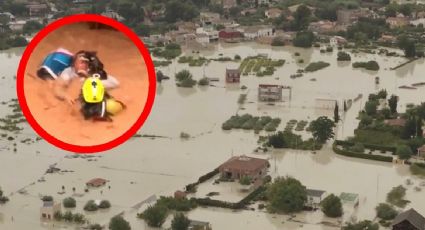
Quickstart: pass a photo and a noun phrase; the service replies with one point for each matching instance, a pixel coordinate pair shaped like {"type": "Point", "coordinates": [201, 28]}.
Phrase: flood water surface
{"type": "Point", "coordinates": [144, 167]}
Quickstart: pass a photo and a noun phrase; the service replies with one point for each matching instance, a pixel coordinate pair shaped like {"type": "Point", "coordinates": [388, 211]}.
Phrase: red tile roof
{"type": "Point", "coordinates": [244, 163]}
{"type": "Point", "coordinates": [96, 182]}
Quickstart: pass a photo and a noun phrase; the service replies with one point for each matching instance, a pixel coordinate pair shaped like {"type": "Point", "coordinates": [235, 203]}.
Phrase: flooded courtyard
{"type": "Point", "coordinates": [144, 167]}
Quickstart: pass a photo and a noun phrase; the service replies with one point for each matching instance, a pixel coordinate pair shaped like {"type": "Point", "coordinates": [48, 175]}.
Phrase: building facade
{"type": "Point", "coordinates": [270, 92]}
{"type": "Point", "coordinates": [233, 75]}
{"type": "Point", "coordinates": [241, 166]}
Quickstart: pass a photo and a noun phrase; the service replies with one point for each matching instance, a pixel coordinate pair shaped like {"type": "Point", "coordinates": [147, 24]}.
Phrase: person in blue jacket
{"type": "Point", "coordinates": [60, 67]}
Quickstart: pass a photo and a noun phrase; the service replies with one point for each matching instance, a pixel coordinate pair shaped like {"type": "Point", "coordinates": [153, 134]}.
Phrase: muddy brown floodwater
{"type": "Point", "coordinates": [143, 167]}
{"type": "Point", "coordinates": [121, 59]}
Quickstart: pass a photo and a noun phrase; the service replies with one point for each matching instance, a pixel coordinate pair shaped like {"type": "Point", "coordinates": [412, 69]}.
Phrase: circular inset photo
{"type": "Point", "coordinates": [86, 83]}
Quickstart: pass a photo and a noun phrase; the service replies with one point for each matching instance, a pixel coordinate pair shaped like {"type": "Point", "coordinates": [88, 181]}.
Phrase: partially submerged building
{"type": "Point", "coordinates": [268, 92]}
{"type": "Point", "coordinates": [199, 225]}
{"type": "Point", "coordinates": [241, 166]}
{"type": "Point", "coordinates": [48, 210]}
{"type": "Point", "coordinates": [314, 198]}
{"type": "Point", "coordinates": [233, 75]}
{"type": "Point", "coordinates": [96, 182]}
{"type": "Point", "coordinates": [409, 220]}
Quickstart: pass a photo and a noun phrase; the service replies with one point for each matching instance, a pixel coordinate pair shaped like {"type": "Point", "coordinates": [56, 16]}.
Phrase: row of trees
{"type": "Point", "coordinates": [155, 215]}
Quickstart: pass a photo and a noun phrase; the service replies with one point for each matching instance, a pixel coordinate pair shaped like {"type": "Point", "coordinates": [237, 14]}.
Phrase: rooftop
{"type": "Point", "coordinates": [244, 163]}
{"type": "Point", "coordinates": [314, 192]}
{"type": "Point", "coordinates": [412, 217]}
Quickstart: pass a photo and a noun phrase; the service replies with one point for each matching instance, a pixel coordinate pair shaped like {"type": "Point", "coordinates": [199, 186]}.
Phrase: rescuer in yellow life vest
{"type": "Point", "coordinates": [96, 102]}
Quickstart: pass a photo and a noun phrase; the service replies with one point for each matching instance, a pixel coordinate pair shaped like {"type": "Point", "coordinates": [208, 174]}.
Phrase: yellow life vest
{"type": "Point", "coordinates": [93, 89]}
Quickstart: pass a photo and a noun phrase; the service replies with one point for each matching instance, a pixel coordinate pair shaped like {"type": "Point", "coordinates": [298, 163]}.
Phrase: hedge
{"type": "Point", "coordinates": [391, 149]}
{"type": "Point", "coordinates": [224, 204]}
{"type": "Point", "coordinates": [201, 179]}
{"type": "Point", "coordinates": [360, 155]}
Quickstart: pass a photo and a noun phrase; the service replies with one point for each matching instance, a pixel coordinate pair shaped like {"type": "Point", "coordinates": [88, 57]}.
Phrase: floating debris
{"type": "Point", "coordinates": [406, 87]}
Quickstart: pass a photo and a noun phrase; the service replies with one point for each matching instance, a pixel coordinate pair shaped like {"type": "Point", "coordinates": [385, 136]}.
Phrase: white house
{"type": "Point", "coordinates": [337, 40]}
{"type": "Point", "coordinates": [418, 22]}
{"type": "Point", "coordinates": [273, 13]}
{"type": "Point", "coordinates": [253, 32]}
{"type": "Point", "coordinates": [314, 197]}
{"type": "Point", "coordinates": [208, 30]}
{"type": "Point", "coordinates": [112, 14]}
{"type": "Point", "coordinates": [202, 38]}
{"type": "Point", "coordinates": [48, 210]}
{"type": "Point", "coordinates": [8, 15]}
{"type": "Point", "coordinates": [17, 25]}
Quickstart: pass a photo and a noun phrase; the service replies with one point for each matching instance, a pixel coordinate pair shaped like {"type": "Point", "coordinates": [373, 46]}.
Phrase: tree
{"type": "Point", "coordinates": [17, 9]}
{"type": "Point", "coordinates": [245, 180]}
{"type": "Point", "coordinates": [95, 227]}
{"type": "Point", "coordinates": [286, 194]}
{"type": "Point", "coordinates": [409, 129]}
{"type": "Point", "coordinates": [104, 204]}
{"type": "Point", "coordinates": [343, 56]}
{"type": "Point", "coordinates": [132, 12]}
{"type": "Point", "coordinates": [184, 79]}
{"type": "Point", "coordinates": [407, 45]}
{"type": "Point", "coordinates": [396, 195]}
{"type": "Point", "coordinates": [386, 112]}
{"type": "Point", "coordinates": [183, 74]}
{"type": "Point", "coordinates": [155, 215]}
{"type": "Point", "coordinates": [328, 12]}
{"type": "Point", "coordinates": [332, 206]}
{"type": "Point", "coordinates": [78, 218]}
{"type": "Point", "coordinates": [365, 120]}
{"type": "Point", "coordinates": [57, 216]}
{"type": "Point", "coordinates": [69, 202]}
{"type": "Point", "coordinates": [385, 211]}
{"type": "Point", "coordinates": [392, 103]}
{"type": "Point", "coordinates": [419, 123]}
{"type": "Point", "coordinates": [404, 152]}
{"type": "Point", "coordinates": [234, 12]}
{"type": "Point", "coordinates": [67, 216]}
{"type": "Point", "coordinates": [31, 27]}
{"type": "Point", "coordinates": [47, 198]}
{"type": "Point", "coordinates": [277, 140]}
{"type": "Point", "coordinates": [362, 225]}
{"type": "Point", "coordinates": [301, 18]}
{"type": "Point", "coordinates": [180, 10]}
{"type": "Point", "coordinates": [371, 107]}
{"type": "Point", "coordinates": [304, 39]}
{"type": "Point", "coordinates": [180, 222]}
{"type": "Point", "coordinates": [336, 113]}
{"type": "Point", "coordinates": [3, 199]}
{"type": "Point", "coordinates": [119, 223]}
{"type": "Point", "coordinates": [360, 38]}
{"type": "Point", "coordinates": [90, 206]}
{"type": "Point", "coordinates": [345, 106]}
{"type": "Point", "coordinates": [391, 10]}
{"type": "Point", "coordinates": [322, 129]}
{"type": "Point", "coordinates": [406, 9]}
{"type": "Point", "coordinates": [382, 94]}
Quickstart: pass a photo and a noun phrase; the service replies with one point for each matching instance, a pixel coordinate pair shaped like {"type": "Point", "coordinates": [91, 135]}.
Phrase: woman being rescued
{"type": "Point", "coordinates": [60, 68]}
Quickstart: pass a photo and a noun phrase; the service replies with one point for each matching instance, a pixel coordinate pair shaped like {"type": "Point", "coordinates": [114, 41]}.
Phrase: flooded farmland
{"type": "Point", "coordinates": [146, 167]}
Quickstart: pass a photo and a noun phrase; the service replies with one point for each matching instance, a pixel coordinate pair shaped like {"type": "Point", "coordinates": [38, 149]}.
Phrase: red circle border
{"type": "Point", "coordinates": [75, 19]}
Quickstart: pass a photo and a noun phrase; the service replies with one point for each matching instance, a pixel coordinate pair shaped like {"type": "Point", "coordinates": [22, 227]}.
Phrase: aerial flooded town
{"type": "Point", "coordinates": [268, 114]}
